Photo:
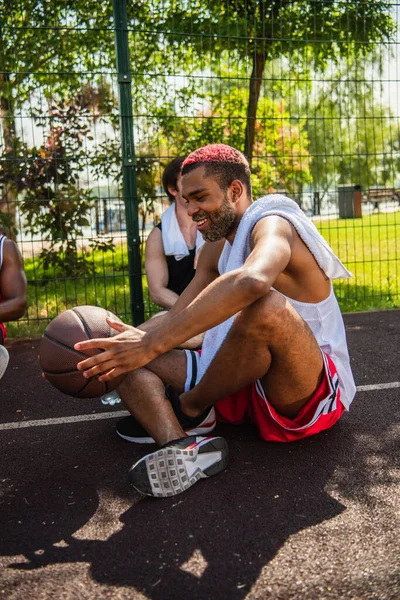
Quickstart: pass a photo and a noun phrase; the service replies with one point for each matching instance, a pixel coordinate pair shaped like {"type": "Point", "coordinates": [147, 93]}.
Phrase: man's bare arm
{"type": "Point", "coordinates": [205, 274]}
{"type": "Point", "coordinates": [13, 285]}
{"type": "Point", "coordinates": [222, 298]}
{"type": "Point", "coordinates": [271, 250]}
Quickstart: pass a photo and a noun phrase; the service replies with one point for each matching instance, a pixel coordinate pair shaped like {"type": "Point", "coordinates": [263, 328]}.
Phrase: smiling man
{"type": "Point", "coordinates": [275, 351]}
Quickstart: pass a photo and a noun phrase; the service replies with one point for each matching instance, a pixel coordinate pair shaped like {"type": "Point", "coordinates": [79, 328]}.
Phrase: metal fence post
{"type": "Point", "coordinates": [128, 160]}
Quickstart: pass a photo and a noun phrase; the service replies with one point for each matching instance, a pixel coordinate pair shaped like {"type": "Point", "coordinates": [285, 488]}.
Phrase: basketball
{"type": "Point", "coordinates": [58, 358]}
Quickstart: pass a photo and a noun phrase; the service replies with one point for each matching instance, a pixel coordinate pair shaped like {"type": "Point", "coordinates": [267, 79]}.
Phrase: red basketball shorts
{"type": "Point", "coordinates": [251, 405]}
{"type": "Point", "coordinates": [3, 334]}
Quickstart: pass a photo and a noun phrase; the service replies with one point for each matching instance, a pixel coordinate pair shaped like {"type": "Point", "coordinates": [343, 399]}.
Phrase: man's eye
{"type": "Point", "coordinates": [200, 199]}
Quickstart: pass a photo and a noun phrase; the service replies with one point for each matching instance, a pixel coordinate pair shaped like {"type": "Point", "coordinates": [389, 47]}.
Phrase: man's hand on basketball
{"type": "Point", "coordinates": [124, 352]}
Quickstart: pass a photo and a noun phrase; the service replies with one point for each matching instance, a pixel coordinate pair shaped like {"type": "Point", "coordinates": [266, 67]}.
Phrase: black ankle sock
{"type": "Point", "coordinates": [183, 419]}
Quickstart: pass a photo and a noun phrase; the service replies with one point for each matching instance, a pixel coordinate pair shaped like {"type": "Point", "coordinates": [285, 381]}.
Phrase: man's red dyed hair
{"type": "Point", "coordinates": [216, 153]}
{"type": "Point", "coordinates": [222, 162]}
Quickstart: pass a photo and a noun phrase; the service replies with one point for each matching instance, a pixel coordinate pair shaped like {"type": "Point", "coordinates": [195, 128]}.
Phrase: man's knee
{"type": "Point", "coordinates": [265, 316]}
{"type": "Point", "coordinates": [132, 379]}
{"type": "Point", "coordinates": [170, 368]}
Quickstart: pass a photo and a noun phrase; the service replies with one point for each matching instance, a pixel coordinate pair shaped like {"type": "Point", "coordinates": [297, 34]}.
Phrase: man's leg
{"type": "Point", "coordinates": [181, 461]}
{"type": "Point", "coordinates": [268, 341]}
{"type": "Point", "coordinates": [143, 393]}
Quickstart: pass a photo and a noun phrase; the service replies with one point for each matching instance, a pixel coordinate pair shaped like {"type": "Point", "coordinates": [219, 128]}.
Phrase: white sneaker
{"type": "Point", "coordinates": [176, 466]}
{"type": "Point", "coordinates": [4, 358]}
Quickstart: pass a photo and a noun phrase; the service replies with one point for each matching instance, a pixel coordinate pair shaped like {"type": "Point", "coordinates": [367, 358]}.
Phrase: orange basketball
{"type": "Point", "coordinates": [58, 357]}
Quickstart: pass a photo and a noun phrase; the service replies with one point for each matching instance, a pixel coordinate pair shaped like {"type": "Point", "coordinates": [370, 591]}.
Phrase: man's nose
{"type": "Point", "coordinates": [192, 209]}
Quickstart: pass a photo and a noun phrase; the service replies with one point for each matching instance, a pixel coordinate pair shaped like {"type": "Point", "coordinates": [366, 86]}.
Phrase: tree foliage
{"type": "Point", "coordinates": [202, 72]}
{"type": "Point", "coordinates": [257, 31]}
{"type": "Point", "coordinates": [281, 142]}
{"type": "Point", "coordinates": [352, 139]}
{"type": "Point", "coordinates": [54, 203]}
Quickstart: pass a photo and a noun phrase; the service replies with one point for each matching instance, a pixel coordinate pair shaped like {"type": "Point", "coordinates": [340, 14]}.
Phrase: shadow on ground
{"type": "Point", "coordinates": [215, 539]}
{"type": "Point", "coordinates": [230, 526]}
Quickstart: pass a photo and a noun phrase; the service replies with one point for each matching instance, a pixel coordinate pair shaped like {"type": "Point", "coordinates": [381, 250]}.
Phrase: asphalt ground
{"type": "Point", "coordinates": [315, 519]}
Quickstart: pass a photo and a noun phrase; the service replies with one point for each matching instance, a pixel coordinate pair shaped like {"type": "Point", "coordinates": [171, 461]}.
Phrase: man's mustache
{"type": "Point", "coordinates": [200, 217]}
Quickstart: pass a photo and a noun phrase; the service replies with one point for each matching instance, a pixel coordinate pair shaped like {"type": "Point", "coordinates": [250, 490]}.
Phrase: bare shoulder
{"type": "Point", "coordinates": [154, 236]}
{"type": "Point", "coordinates": [11, 252]}
{"type": "Point", "coordinates": [154, 243]}
{"type": "Point", "coordinates": [272, 227]}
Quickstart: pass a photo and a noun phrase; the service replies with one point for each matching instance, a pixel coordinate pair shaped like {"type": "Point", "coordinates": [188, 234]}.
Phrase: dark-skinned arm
{"type": "Point", "coordinates": [271, 241]}
{"type": "Point", "coordinates": [206, 272]}
{"type": "Point", "coordinates": [13, 283]}
{"type": "Point", "coordinates": [271, 250]}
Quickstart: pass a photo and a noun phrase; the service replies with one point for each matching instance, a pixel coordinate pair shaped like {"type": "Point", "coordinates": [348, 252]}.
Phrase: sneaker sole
{"type": "Point", "coordinates": [171, 471]}
{"type": "Point", "coordinates": [202, 429]}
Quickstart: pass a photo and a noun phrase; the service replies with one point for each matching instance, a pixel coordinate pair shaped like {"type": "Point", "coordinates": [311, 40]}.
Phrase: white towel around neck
{"type": "Point", "coordinates": [172, 237]}
{"type": "Point", "coordinates": [233, 257]}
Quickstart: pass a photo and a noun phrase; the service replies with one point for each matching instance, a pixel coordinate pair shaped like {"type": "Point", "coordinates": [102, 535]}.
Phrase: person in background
{"type": "Point", "coordinates": [173, 245]}
{"type": "Point", "coordinates": [13, 291]}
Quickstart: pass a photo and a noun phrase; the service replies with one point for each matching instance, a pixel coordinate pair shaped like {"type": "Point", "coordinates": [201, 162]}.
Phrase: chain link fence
{"type": "Point", "coordinates": [96, 99]}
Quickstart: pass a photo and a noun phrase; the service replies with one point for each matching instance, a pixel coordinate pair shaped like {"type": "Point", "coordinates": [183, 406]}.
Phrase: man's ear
{"type": "Point", "coordinates": [237, 190]}
{"type": "Point", "coordinates": [172, 190]}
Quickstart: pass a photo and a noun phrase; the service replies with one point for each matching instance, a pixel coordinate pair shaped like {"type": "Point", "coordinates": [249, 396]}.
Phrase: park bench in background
{"type": "Point", "coordinates": [377, 194]}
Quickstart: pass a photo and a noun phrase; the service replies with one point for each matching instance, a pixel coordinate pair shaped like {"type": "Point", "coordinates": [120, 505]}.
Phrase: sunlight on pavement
{"type": "Point", "coordinates": [106, 520]}
{"type": "Point", "coordinates": [196, 565]}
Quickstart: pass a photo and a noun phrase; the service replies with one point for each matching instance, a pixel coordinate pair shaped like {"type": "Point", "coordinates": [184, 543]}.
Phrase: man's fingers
{"type": "Point", "coordinates": [117, 325]}
{"type": "Point", "coordinates": [92, 361]}
{"type": "Point", "coordinates": [98, 369]}
{"type": "Point", "coordinates": [101, 343]}
{"type": "Point", "coordinates": [111, 374]}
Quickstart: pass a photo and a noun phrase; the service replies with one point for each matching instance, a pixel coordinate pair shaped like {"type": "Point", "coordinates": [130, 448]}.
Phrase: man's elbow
{"type": "Point", "coordinates": [22, 311]}
{"type": "Point", "coordinates": [20, 308]}
{"type": "Point", "coordinates": [256, 284]}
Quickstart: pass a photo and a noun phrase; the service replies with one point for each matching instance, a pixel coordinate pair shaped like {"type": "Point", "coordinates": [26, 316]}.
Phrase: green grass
{"type": "Point", "coordinates": [51, 292]}
{"type": "Point", "coordinates": [369, 247]}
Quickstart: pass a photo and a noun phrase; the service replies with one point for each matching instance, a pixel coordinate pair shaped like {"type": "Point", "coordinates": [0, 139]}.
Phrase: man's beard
{"type": "Point", "coordinates": [220, 224]}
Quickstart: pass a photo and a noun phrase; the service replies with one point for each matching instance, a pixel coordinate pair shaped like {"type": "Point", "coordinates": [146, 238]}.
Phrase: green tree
{"type": "Point", "coordinates": [54, 204]}
{"type": "Point", "coordinates": [281, 143]}
{"type": "Point", "coordinates": [258, 31]}
{"type": "Point", "coordinates": [350, 130]}
{"type": "Point", "coordinates": [63, 52]}
{"type": "Point", "coordinates": [47, 49]}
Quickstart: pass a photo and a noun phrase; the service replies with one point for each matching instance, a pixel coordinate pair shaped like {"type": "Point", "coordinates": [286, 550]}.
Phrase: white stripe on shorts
{"type": "Point", "coordinates": [326, 405]}
{"type": "Point", "coordinates": [192, 367]}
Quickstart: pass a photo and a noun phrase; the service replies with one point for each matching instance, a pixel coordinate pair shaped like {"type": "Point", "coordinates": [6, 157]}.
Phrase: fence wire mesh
{"type": "Point", "coordinates": [308, 89]}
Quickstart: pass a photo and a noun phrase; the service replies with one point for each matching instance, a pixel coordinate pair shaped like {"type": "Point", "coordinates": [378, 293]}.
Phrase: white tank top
{"type": "Point", "coordinates": [2, 240]}
{"type": "Point", "coordinates": [326, 322]}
